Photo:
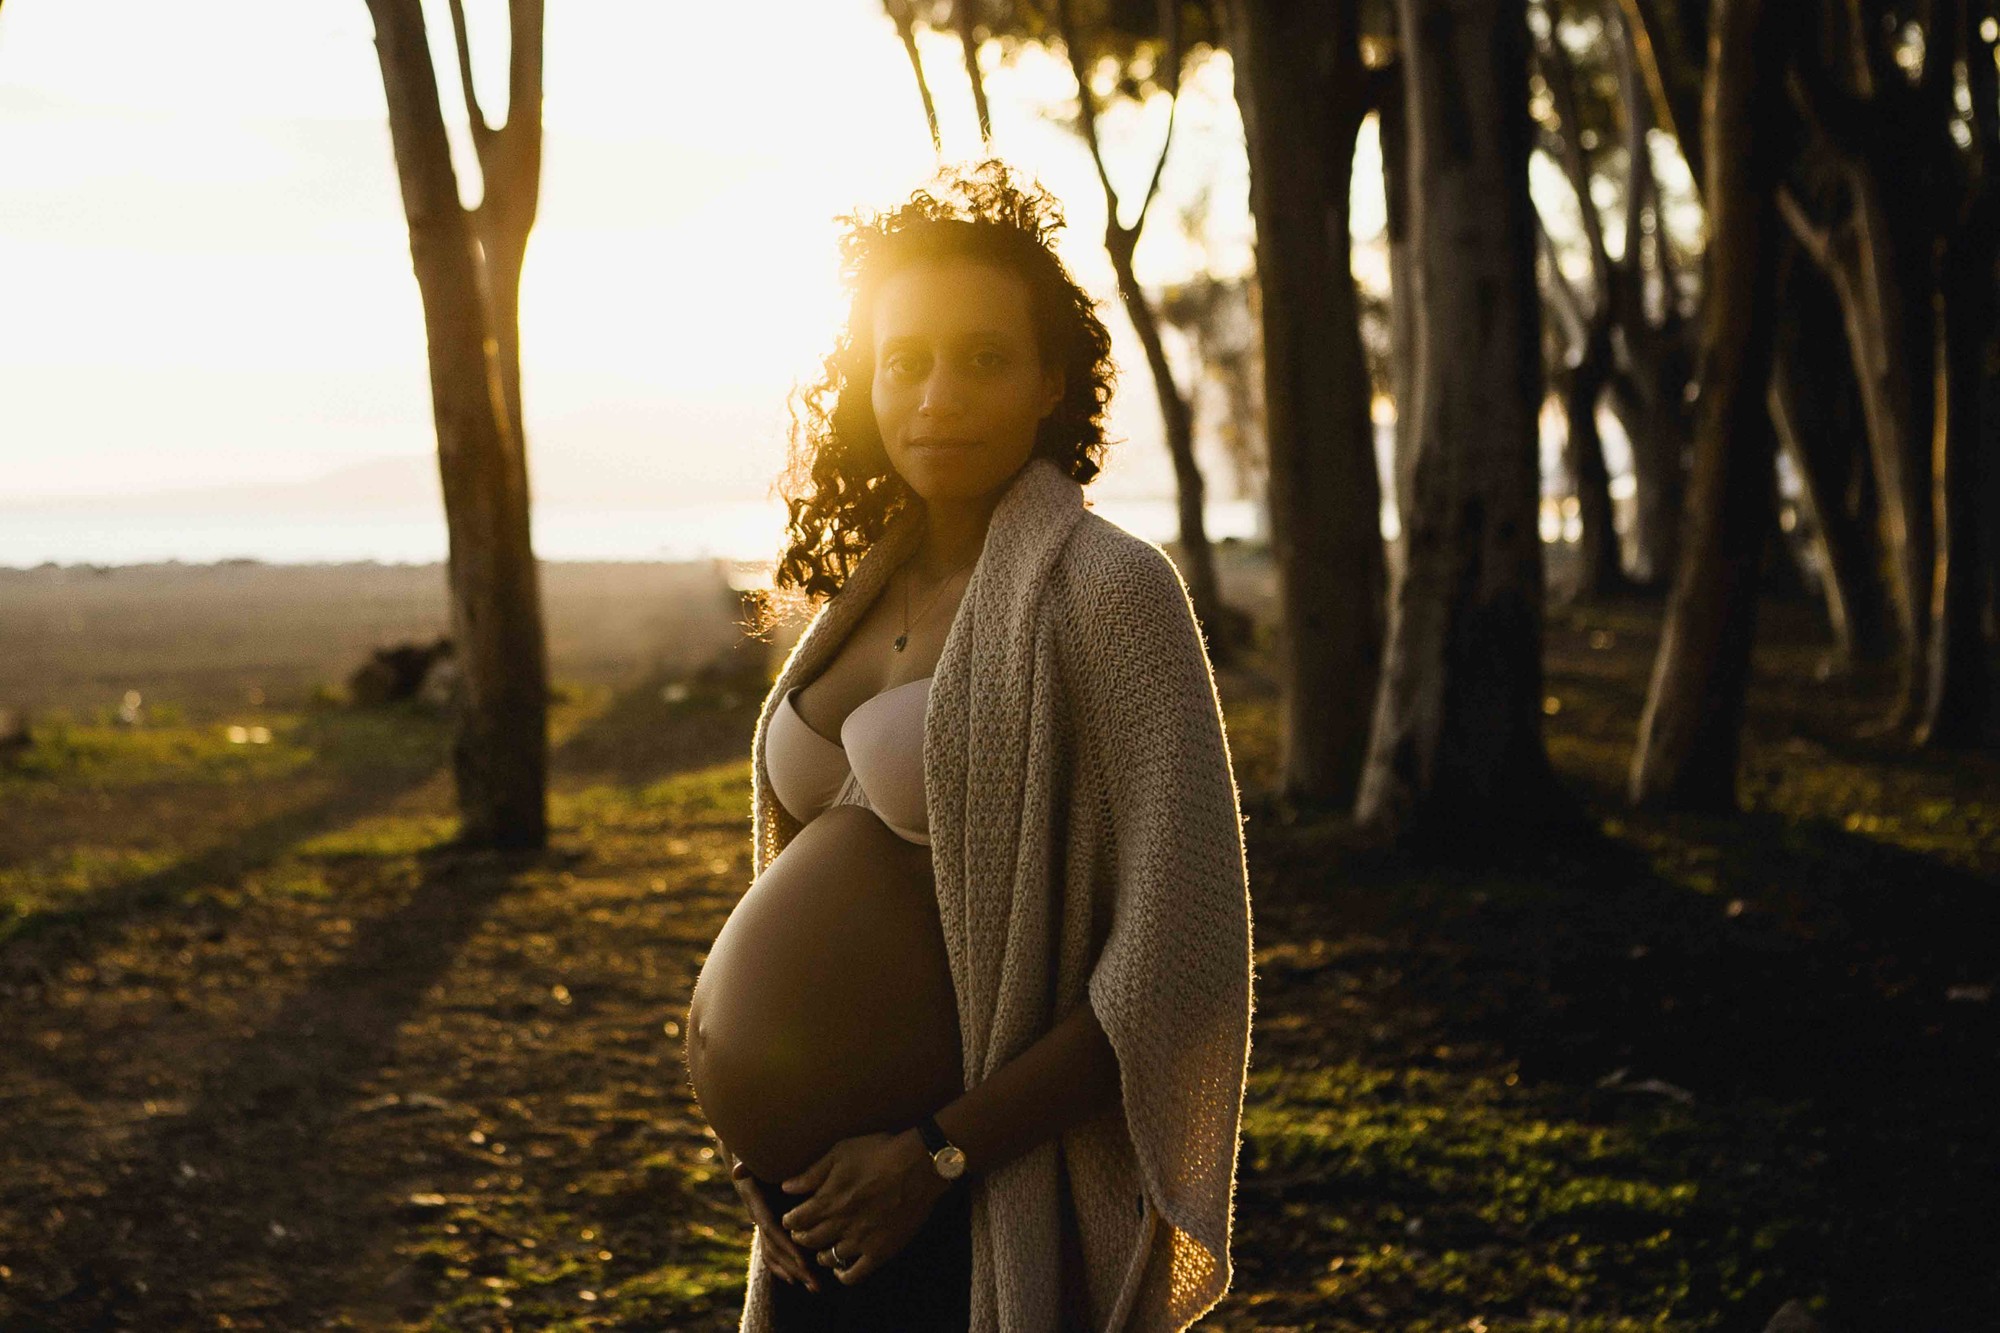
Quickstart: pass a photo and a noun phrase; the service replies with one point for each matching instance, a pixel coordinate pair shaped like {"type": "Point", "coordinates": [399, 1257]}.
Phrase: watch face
{"type": "Point", "coordinates": [950, 1163]}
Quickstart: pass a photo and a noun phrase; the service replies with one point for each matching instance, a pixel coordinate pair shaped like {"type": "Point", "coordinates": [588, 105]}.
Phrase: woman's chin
{"type": "Point", "coordinates": [949, 473]}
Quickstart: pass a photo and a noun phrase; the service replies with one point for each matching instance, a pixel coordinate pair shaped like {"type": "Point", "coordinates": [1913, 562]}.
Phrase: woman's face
{"type": "Point", "coordinates": [959, 385]}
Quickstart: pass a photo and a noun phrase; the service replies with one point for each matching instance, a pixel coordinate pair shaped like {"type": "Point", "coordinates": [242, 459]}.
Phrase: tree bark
{"type": "Point", "coordinates": [1690, 732]}
{"type": "Point", "coordinates": [1299, 84]}
{"type": "Point", "coordinates": [899, 14]}
{"type": "Point", "coordinates": [1588, 366]}
{"type": "Point", "coordinates": [1958, 700]}
{"type": "Point", "coordinates": [963, 18]}
{"type": "Point", "coordinates": [1406, 349]}
{"type": "Point", "coordinates": [500, 751]}
{"type": "Point", "coordinates": [1863, 212]}
{"type": "Point", "coordinates": [1673, 80]}
{"type": "Point", "coordinates": [1224, 628]}
{"type": "Point", "coordinates": [1601, 571]}
{"type": "Point", "coordinates": [1456, 754]}
{"type": "Point", "coordinates": [1815, 408]}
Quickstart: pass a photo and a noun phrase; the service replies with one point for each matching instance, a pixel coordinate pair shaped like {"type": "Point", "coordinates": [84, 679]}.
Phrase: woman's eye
{"type": "Point", "coordinates": [905, 366]}
{"type": "Point", "coordinates": [988, 360]}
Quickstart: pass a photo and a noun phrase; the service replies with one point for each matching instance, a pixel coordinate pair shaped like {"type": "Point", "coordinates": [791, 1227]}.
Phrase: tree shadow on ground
{"type": "Point", "coordinates": [176, 1224]}
{"type": "Point", "coordinates": [665, 724]}
{"type": "Point", "coordinates": [367, 777]}
{"type": "Point", "coordinates": [1770, 1000]}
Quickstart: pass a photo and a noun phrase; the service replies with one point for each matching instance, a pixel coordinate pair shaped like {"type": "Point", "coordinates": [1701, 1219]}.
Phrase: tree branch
{"type": "Point", "coordinates": [1984, 85]}
{"type": "Point", "coordinates": [1554, 62]}
{"type": "Point", "coordinates": [962, 18]}
{"type": "Point", "coordinates": [481, 130]}
{"type": "Point", "coordinates": [1814, 238]}
{"type": "Point", "coordinates": [1086, 109]}
{"type": "Point", "coordinates": [1836, 117]}
{"type": "Point", "coordinates": [1568, 305]}
{"type": "Point", "coordinates": [1639, 183]}
{"type": "Point", "coordinates": [1170, 21]}
{"type": "Point", "coordinates": [524, 63]}
{"type": "Point", "coordinates": [1675, 93]}
{"type": "Point", "coordinates": [899, 12]}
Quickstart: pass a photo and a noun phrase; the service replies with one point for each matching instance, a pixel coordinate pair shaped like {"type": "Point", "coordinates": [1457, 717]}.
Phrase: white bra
{"type": "Point", "coordinates": [877, 764]}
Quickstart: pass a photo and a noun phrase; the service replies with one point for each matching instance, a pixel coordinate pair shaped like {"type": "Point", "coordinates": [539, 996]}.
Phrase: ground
{"type": "Point", "coordinates": [279, 1057]}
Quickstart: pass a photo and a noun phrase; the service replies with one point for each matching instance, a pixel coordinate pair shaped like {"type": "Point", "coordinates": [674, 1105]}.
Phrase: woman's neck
{"type": "Point", "coordinates": [954, 531]}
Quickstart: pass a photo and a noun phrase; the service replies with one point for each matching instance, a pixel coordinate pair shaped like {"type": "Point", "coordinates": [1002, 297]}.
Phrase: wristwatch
{"type": "Point", "coordinates": [946, 1156]}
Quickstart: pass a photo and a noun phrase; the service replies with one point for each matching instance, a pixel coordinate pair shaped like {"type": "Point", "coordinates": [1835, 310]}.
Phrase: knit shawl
{"type": "Point", "coordinates": [1087, 839]}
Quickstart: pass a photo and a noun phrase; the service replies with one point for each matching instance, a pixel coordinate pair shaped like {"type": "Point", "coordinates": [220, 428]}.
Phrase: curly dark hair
{"type": "Point", "coordinates": [838, 486]}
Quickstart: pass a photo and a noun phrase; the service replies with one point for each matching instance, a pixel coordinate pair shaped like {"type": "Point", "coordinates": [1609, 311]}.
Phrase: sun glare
{"type": "Point", "coordinates": [204, 249]}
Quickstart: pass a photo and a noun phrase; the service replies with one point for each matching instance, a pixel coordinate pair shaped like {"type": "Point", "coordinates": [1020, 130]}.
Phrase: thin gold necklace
{"type": "Point", "coordinates": [903, 639]}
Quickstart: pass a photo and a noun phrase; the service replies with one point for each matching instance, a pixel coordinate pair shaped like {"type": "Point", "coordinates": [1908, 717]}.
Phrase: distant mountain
{"type": "Point", "coordinates": [389, 482]}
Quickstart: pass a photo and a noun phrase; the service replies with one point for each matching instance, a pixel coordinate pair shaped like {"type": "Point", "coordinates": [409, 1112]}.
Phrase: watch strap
{"type": "Point", "coordinates": [934, 1140]}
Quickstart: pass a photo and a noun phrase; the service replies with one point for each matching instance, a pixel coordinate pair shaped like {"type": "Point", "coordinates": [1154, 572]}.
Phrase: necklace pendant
{"type": "Point", "coordinates": [902, 642]}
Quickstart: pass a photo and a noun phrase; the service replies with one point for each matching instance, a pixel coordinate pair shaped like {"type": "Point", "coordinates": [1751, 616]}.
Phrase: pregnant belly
{"type": "Point", "coordinates": [825, 1007]}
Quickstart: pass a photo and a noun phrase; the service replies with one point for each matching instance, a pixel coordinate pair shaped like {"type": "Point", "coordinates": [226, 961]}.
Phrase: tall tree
{"type": "Point", "coordinates": [1690, 731]}
{"type": "Point", "coordinates": [1860, 201]}
{"type": "Point", "coordinates": [1225, 629]}
{"type": "Point", "coordinates": [1457, 743]}
{"type": "Point", "coordinates": [1959, 694]}
{"type": "Point", "coordinates": [1635, 343]}
{"type": "Point", "coordinates": [1587, 363]}
{"type": "Point", "coordinates": [1159, 31]}
{"type": "Point", "coordinates": [468, 273]}
{"type": "Point", "coordinates": [1816, 408]}
{"type": "Point", "coordinates": [1300, 84]}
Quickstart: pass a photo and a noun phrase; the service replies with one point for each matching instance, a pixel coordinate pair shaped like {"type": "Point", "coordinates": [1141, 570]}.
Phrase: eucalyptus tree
{"type": "Point", "coordinates": [1690, 732]}
{"type": "Point", "coordinates": [1085, 33]}
{"type": "Point", "coordinates": [1303, 92]}
{"type": "Point", "coordinates": [1456, 755]}
{"type": "Point", "coordinates": [468, 267]}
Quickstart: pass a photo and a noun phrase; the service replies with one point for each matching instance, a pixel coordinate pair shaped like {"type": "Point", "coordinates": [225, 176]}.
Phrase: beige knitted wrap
{"type": "Point", "coordinates": [1088, 843]}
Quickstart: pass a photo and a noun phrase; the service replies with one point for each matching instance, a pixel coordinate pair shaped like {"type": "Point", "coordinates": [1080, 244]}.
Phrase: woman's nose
{"type": "Point", "coordinates": [941, 395]}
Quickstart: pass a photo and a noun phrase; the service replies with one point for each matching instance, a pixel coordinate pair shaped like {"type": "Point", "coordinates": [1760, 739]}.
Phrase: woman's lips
{"type": "Point", "coordinates": [940, 445]}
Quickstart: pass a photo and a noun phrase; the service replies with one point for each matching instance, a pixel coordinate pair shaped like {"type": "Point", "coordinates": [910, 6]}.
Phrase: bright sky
{"type": "Point", "coordinates": [204, 268]}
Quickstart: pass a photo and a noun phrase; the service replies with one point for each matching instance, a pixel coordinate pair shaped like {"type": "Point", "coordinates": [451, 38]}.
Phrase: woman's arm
{"type": "Point", "coordinates": [1069, 1075]}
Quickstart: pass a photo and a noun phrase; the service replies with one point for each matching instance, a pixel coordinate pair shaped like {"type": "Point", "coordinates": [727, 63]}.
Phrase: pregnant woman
{"type": "Point", "coordinates": [974, 1040]}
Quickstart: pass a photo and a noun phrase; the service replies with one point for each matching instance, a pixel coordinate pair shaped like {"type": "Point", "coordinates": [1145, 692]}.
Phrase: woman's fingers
{"type": "Point", "coordinates": [779, 1252]}
{"type": "Point", "coordinates": [785, 1261]}
{"type": "Point", "coordinates": [783, 1251]}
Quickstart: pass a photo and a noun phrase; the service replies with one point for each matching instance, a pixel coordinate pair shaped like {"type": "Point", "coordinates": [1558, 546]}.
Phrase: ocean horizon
{"type": "Point", "coordinates": [134, 532]}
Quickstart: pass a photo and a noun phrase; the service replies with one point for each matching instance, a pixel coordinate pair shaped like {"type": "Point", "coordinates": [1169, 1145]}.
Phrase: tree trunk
{"type": "Point", "coordinates": [1299, 81]}
{"type": "Point", "coordinates": [1892, 336]}
{"type": "Point", "coordinates": [1958, 698]}
{"type": "Point", "coordinates": [1406, 344]}
{"type": "Point", "coordinates": [1456, 753]}
{"type": "Point", "coordinates": [1868, 187]}
{"type": "Point", "coordinates": [1673, 78]}
{"type": "Point", "coordinates": [1815, 409]}
{"type": "Point", "coordinates": [1649, 405]}
{"type": "Point", "coordinates": [1959, 695]}
{"type": "Point", "coordinates": [500, 752]}
{"type": "Point", "coordinates": [1690, 732]}
{"type": "Point", "coordinates": [1224, 630]}
{"type": "Point", "coordinates": [1600, 571]}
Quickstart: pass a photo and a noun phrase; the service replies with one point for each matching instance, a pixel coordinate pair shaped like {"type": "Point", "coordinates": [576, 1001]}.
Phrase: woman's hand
{"type": "Point", "coordinates": [781, 1252]}
{"type": "Point", "coordinates": [870, 1195]}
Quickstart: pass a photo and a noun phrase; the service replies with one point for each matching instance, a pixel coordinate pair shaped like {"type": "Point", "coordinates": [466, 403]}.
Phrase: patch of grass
{"type": "Point", "coordinates": [708, 797]}
{"type": "Point", "coordinates": [1444, 1197]}
{"type": "Point", "coordinates": [94, 755]}
{"type": "Point", "coordinates": [69, 874]}
{"type": "Point", "coordinates": [380, 836]}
